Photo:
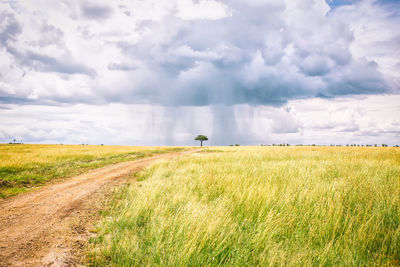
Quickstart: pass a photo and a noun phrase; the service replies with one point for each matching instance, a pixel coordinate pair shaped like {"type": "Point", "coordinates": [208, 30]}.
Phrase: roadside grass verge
{"type": "Point", "coordinates": [25, 166]}
{"type": "Point", "coordinates": [257, 206]}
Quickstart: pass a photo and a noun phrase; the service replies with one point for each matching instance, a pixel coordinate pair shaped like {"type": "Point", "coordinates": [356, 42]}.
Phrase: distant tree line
{"type": "Point", "coordinates": [14, 142]}
{"type": "Point", "coordinates": [347, 145]}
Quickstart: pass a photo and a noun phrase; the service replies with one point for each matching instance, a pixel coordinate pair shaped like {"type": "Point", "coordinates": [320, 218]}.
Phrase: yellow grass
{"type": "Point", "coordinates": [25, 166]}
{"type": "Point", "coordinates": [266, 206]}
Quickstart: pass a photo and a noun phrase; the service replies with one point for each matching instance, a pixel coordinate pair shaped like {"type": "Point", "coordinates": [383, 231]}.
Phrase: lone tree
{"type": "Point", "coordinates": [201, 138]}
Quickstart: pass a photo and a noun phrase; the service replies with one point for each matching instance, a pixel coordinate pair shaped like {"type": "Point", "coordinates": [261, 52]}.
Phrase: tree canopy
{"type": "Point", "coordinates": [201, 138]}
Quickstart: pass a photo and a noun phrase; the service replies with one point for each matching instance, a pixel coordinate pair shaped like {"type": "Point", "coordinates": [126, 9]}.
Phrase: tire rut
{"type": "Point", "coordinates": [49, 226]}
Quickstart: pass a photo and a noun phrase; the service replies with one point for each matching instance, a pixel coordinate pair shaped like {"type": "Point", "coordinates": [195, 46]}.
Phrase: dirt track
{"type": "Point", "coordinates": [49, 226]}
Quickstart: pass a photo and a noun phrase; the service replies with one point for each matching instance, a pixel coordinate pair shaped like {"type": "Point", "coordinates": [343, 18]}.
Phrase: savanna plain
{"type": "Point", "coordinates": [23, 167]}
{"type": "Point", "coordinates": [266, 206]}
{"type": "Point", "coordinates": [233, 206]}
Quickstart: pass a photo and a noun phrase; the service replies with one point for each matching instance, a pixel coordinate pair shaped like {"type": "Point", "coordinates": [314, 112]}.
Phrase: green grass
{"type": "Point", "coordinates": [25, 166]}
{"type": "Point", "coordinates": [267, 206]}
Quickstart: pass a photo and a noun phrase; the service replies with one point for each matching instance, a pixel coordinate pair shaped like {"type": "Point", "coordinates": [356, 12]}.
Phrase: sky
{"type": "Point", "coordinates": [152, 72]}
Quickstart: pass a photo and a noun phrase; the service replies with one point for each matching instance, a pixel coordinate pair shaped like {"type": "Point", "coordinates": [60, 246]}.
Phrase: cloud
{"type": "Point", "coordinates": [206, 54]}
{"type": "Point", "coordinates": [11, 30]}
{"type": "Point", "coordinates": [98, 12]}
{"type": "Point", "coordinates": [50, 35]}
{"type": "Point", "coordinates": [258, 55]}
{"type": "Point", "coordinates": [284, 121]}
{"type": "Point", "coordinates": [255, 52]}
{"type": "Point", "coordinates": [45, 63]}
{"type": "Point", "coordinates": [201, 9]}
{"type": "Point", "coordinates": [121, 66]}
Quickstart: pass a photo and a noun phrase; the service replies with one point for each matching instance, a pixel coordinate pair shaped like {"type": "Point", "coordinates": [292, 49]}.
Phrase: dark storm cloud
{"type": "Point", "coordinates": [260, 53]}
{"type": "Point", "coordinates": [246, 58]}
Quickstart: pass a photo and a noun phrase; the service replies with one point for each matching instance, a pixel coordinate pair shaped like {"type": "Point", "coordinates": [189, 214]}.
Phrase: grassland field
{"type": "Point", "coordinates": [257, 206]}
{"type": "Point", "coordinates": [233, 206]}
{"type": "Point", "coordinates": [23, 167]}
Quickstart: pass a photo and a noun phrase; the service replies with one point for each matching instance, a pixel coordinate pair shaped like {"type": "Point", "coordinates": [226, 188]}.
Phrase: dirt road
{"type": "Point", "coordinates": [49, 226]}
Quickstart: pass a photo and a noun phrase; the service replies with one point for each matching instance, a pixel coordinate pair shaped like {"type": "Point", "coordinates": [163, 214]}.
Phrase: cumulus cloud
{"type": "Point", "coordinates": [23, 52]}
{"type": "Point", "coordinates": [257, 52]}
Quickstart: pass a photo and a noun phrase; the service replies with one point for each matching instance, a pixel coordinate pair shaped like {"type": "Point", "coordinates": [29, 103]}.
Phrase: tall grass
{"type": "Point", "coordinates": [25, 166]}
{"type": "Point", "coordinates": [268, 206]}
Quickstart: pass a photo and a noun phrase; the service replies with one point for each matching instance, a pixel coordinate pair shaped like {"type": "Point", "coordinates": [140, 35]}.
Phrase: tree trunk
{"type": "Point", "coordinates": [201, 142]}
